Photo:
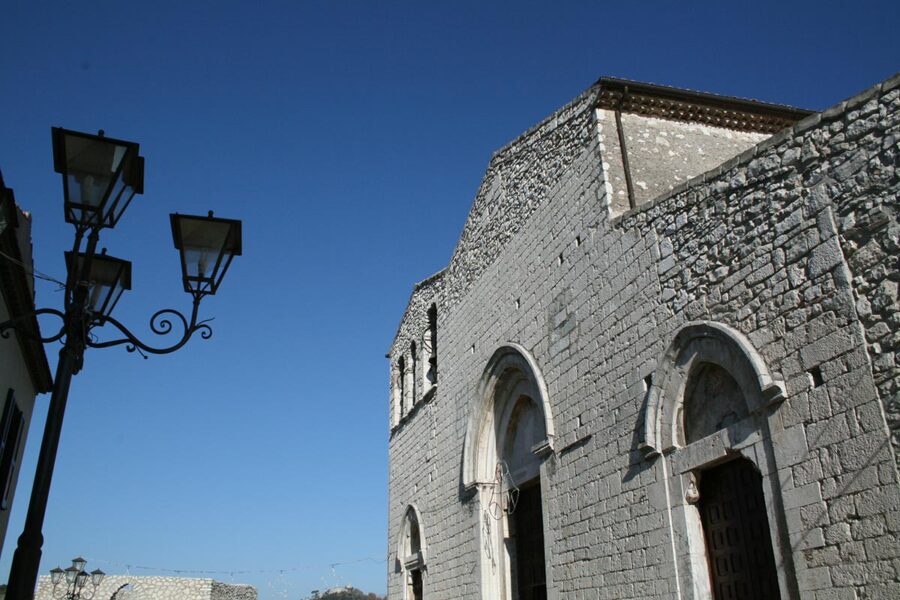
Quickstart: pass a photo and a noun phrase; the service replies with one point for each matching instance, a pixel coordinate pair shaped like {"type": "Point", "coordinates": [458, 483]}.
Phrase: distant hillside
{"type": "Point", "coordinates": [348, 593]}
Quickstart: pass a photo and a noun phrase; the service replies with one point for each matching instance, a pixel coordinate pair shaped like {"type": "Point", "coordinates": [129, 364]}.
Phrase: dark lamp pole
{"type": "Point", "coordinates": [100, 177]}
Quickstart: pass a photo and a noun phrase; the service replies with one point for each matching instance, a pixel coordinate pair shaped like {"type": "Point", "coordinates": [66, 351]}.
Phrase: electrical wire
{"type": "Point", "coordinates": [232, 572]}
{"type": "Point", "coordinates": [33, 272]}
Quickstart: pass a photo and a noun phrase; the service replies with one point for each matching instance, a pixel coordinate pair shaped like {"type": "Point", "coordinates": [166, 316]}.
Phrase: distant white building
{"type": "Point", "coordinates": [24, 372]}
{"type": "Point", "coordinates": [127, 587]}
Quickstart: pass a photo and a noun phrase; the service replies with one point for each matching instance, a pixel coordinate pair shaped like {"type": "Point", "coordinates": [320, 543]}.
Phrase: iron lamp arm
{"type": "Point", "coordinates": [66, 593]}
{"type": "Point", "coordinates": [161, 323]}
{"type": "Point", "coordinates": [13, 324]}
{"type": "Point", "coordinates": [69, 591]}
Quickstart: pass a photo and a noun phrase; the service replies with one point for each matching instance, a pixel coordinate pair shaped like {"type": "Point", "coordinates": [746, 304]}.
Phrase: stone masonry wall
{"type": "Point", "coordinates": [230, 591]}
{"type": "Point", "coordinates": [867, 218]}
{"type": "Point", "coordinates": [414, 324]}
{"type": "Point", "coordinates": [755, 243]}
{"type": "Point", "coordinates": [517, 181]}
{"type": "Point", "coordinates": [789, 243]}
{"type": "Point", "coordinates": [662, 153]}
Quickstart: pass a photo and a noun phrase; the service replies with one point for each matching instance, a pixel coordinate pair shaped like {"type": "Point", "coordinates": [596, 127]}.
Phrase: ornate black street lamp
{"type": "Point", "coordinates": [76, 579]}
{"type": "Point", "coordinates": [100, 177]}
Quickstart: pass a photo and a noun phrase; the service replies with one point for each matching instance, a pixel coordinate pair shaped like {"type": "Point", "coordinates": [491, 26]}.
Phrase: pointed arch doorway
{"type": "Point", "coordinates": [509, 437]}
{"type": "Point", "coordinates": [411, 556]}
{"type": "Point", "coordinates": [709, 414]}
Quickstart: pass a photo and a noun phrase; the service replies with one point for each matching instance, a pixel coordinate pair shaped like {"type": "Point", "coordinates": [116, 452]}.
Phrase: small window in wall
{"type": "Point", "coordinates": [414, 355]}
{"type": "Point", "coordinates": [395, 395]}
{"type": "Point", "coordinates": [429, 351]}
{"type": "Point", "coordinates": [401, 385]}
{"type": "Point", "coordinates": [432, 336]}
{"type": "Point", "coordinates": [12, 427]}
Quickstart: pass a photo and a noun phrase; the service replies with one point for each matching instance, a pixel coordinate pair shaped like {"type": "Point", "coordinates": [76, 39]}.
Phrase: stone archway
{"type": "Point", "coordinates": [510, 434]}
{"type": "Point", "coordinates": [411, 555]}
{"type": "Point", "coordinates": [708, 413]}
{"type": "Point", "coordinates": [696, 343]}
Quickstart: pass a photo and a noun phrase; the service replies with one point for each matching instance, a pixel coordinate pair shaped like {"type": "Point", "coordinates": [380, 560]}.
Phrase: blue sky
{"type": "Point", "coordinates": [350, 137]}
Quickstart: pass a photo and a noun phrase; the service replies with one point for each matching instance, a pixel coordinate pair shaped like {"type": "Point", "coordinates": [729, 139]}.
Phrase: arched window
{"type": "Point", "coordinates": [429, 349]}
{"type": "Point", "coordinates": [414, 355]}
{"type": "Point", "coordinates": [401, 386]}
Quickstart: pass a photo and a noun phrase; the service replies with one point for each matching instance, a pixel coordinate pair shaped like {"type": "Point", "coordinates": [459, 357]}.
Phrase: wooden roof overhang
{"type": "Point", "coordinates": [677, 104]}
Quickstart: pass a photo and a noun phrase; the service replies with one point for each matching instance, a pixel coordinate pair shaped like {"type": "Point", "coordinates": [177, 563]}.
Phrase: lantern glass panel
{"type": "Point", "coordinates": [132, 183]}
{"type": "Point", "coordinates": [207, 245]}
{"type": "Point", "coordinates": [100, 176]}
{"type": "Point", "coordinates": [108, 278]}
{"type": "Point", "coordinates": [71, 572]}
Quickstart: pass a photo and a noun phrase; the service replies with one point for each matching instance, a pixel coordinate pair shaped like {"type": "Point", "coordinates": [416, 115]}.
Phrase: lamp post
{"type": "Point", "coordinates": [100, 177]}
{"type": "Point", "coordinates": [76, 579]}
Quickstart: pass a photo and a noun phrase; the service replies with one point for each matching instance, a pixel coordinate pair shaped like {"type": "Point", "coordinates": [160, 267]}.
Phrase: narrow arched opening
{"type": "Point", "coordinates": [411, 556]}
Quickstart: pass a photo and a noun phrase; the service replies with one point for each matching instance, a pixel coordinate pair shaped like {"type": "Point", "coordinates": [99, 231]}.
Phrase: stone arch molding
{"type": "Point", "coordinates": [696, 343]}
{"type": "Point", "coordinates": [511, 368]}
{"type": "Point", "coordinates": [403, 555]}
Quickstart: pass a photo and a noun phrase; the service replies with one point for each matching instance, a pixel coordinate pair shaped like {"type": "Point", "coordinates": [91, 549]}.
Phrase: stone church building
{"type": "Point", "coordinates": [662, 361]}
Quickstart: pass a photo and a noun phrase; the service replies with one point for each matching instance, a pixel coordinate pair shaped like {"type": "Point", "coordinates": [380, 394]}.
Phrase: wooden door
{"type": "Point", "coordinates": [736, 530]}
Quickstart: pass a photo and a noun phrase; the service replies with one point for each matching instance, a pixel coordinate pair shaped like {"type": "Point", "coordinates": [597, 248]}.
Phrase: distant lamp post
{"type": "Point", "coordinates": [100, 177]}
{"type": "Point", "coordinates": [74, 580]}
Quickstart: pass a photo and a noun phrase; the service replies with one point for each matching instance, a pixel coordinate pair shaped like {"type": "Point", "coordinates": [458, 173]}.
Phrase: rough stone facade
{"type": "Point", "coordinates": [125, 587]}
{"type": "Point", "coordinates": [778, 265]}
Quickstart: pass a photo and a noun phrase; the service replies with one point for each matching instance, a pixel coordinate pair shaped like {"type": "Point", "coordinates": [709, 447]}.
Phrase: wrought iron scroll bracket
{"type": "Point", "coordinates": [14, 324]}
{"type": "Point", "coordinates": [161, 323]}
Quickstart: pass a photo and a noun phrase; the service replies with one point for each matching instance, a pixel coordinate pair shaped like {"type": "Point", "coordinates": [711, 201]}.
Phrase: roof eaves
{"type": "Point", "coordinates": [701, 107]}
{"type": "Point", "coordinates": [17, 293]}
